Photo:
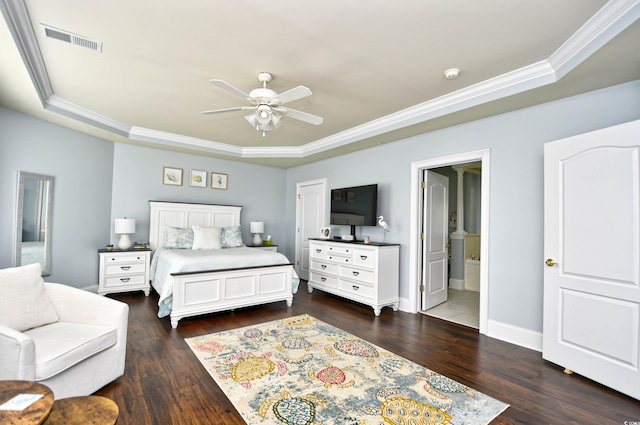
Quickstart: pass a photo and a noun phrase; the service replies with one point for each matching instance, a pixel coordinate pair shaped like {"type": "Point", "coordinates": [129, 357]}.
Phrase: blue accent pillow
{"type": "Point", "coordinates": [231, 237]}
{"type": "Point", "coordinates": [178, 238]}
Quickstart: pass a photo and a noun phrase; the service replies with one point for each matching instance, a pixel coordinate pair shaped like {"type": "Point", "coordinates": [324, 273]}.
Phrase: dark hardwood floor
{"type": "Point", "coordinates": [165, 384]}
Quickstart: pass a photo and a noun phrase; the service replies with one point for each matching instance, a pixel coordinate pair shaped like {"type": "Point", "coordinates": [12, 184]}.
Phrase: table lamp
{"type": "Point", "coordinates": [125, 227]}
{"type": "Point", "coordinates": [257, 228]}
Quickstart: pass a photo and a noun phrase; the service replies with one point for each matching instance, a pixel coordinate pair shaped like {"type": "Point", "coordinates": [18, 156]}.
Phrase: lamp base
{"type": "Point", "coordinates": [125, 242]}
{"type": "Point", "coordinates": [257, 240]}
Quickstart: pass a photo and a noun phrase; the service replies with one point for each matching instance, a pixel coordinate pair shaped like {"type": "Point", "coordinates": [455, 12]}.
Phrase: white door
{"type": "Point", "coordinates": [592, 247]}
{"type": "Point", "coordinates": [435, 226]}
{"type": "Point", "coordinates": [310, 217]}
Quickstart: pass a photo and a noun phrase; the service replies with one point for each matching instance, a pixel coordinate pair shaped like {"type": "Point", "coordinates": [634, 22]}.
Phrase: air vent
{"type": "Point", "coordinates": [67, 37]}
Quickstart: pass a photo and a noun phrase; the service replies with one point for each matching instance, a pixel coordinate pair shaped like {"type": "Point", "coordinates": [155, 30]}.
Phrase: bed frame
{"type": "Point", "coordinates": [210, 291]}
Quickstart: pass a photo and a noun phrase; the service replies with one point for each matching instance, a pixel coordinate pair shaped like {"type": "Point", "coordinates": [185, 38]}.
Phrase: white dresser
{"type": "Point", "coordinates": [123, 271]}
{"type": "Point", "coordinates": [366, 273]}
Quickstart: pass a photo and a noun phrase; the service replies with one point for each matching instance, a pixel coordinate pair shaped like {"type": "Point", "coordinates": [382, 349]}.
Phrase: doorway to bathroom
{"type": "Point", "coordinates": [467, 206]}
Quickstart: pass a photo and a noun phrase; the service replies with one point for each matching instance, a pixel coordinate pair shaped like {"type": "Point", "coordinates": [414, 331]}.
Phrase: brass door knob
{"type": "Point", "coordinates": [550, 262]}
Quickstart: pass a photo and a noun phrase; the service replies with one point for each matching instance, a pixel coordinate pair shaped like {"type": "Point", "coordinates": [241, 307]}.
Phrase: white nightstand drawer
{"type": "Point", "coordinates": [112, 282]}
{"type": "Point", "coordinates": [126, 258]}
{"type": "Point", "coordinates": [364, 258]}
{"type": "Point", "coordinates": [359, 289]}
{"type": "Point", "coordinates": [324, 267]}
{"type": "Point", "coordinates": [357, 274]}
{"type": "Point", "coordinates": [113, 269]}
{"type": "Point", "coordinates": [323, 279]}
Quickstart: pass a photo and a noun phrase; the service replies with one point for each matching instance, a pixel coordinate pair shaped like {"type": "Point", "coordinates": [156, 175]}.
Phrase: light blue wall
{"type": "Point", "coordinates": [516, 142]}
{"type": "Point", "coordinates": [137, 179]}
{"type": "Point", "coordinates": [82, 167]}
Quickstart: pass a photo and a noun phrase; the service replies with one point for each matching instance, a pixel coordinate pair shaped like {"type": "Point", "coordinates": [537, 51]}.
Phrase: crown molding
{"type": "Point", "coordinates": [609, 21]}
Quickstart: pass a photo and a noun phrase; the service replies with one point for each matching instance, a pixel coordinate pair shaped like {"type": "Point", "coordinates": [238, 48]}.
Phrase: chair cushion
{"type": "Point", "coordinates": [61, 345]}
{"type": "Point", "coordinates": [24, 302]}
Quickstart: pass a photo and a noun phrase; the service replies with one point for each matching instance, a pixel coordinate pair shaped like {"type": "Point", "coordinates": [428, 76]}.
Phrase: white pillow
{"type": "Point", "coordinates": [206, 238]}
{"type": "Point", "coordinates": [24, 302]}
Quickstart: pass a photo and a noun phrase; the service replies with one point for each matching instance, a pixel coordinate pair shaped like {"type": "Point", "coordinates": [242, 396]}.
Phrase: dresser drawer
{"type": "Point", "coordinates": [324, 267]}
{"type": "Point", "coordinates": [318, 251]}
{"type": "Point", "coordinates": [357, 274]}
{"type": "Point", "coordinates": [340, 259]}
{"type": "Point", "coordinates": [112, 282]}
{"type": "Point", "coordinates": [128, 258]}
{"type": "Point", "coordinates": [361, 290]}
{"type": "Point", "coordinates": [364, 258]}
{"type": "Point", "coordinates": [340, 250]}
{"type": "Point", "coordinates": [118, 269]}
{"type": "Point", "coordinates": [323, 279]}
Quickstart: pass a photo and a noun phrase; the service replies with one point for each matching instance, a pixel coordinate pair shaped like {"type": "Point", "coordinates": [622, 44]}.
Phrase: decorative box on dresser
{"type": "Point", "coordinates": [124, 271]}
{"type": "Point", "coordinates": [366, 273]}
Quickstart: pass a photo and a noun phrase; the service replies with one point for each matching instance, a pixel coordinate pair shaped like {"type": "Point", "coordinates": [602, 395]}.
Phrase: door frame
{"type": "Point", "coordinates": [417, 168]}
{"type": "Point", "coordinates": [298, 241]}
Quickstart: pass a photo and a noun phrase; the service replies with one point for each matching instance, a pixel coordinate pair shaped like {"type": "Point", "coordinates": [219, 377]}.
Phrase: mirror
{"type": "Point", "coordinates": [33, 221]}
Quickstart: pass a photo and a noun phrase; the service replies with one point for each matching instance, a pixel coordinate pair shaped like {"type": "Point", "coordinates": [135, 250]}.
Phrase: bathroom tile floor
{"type": "Point", "coordinates": [461, 307]}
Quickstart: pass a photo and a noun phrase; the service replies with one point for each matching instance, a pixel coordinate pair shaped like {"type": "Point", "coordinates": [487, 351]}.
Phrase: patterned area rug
{"type": "Point", "coordinates": [301, 371]}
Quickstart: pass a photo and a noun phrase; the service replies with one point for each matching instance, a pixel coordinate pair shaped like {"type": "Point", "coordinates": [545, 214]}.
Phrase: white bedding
{"type": "Point", "coordinates": [168, 261]}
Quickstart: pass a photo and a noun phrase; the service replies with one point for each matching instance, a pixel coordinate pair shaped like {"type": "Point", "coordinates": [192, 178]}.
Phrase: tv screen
{"type": "Point", "coordinates": [355, 206]}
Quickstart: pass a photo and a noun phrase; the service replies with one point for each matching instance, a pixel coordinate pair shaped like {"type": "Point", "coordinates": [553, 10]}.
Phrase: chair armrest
{"type": "Point", "coordinates": [80, 306]}
{"type": "Point", "coordinates": [18, 354]}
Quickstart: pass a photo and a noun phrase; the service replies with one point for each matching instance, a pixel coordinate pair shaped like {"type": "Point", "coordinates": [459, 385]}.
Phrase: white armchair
{"type": "Point", "coordinates": [75, 348]}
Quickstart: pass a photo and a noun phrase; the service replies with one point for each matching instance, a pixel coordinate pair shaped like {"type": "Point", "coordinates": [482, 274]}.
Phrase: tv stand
{"type": "Point", "coordinates": [366, 273]}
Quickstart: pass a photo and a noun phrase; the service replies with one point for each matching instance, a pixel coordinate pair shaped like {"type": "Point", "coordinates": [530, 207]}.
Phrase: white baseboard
{"type": "Point", "coordinates": [456, 284]}
{"type": "Point", "coordinates": [405, 305]}
{"type": "Point", "coordinates": [515, 335]}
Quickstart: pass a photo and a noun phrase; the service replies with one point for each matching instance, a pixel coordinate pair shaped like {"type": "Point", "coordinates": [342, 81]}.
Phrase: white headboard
{"type": "Point", "coordinates": [182, 214]}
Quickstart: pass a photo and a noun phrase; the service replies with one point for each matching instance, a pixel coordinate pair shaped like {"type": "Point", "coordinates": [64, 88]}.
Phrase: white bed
{"type": "Point", "coordinates": [196, 292]}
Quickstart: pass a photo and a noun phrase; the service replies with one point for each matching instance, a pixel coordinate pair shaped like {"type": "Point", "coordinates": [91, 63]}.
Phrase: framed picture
{"type": "Point", "coordinates": [198, 178]}
{"type": "Point", "coordinates": [219, 181]}
{"type": "Point", "coordinates": [172, 176]}
{"type": "Point", "coordinates": [325, 232]}
{"type": "Point", "coordinates": [351, 197]}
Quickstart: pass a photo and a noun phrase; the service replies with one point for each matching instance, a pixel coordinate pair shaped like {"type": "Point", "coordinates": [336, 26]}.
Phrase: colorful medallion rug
{"type": "Point", "coordinates": [301, 371]}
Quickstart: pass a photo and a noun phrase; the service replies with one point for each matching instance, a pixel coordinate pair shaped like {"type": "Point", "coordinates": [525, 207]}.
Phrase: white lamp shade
{"type": "Point", "coordinates": [256, 227]}
{"type": "Point", "coordinates": [125, 226]}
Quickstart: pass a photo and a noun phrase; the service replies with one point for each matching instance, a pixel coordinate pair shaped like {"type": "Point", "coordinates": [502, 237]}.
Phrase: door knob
{"type": "Point", "coordinates": [550, 262]}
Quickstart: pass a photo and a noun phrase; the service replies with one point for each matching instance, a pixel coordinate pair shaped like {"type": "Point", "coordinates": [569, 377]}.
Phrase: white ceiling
{"type": "Point", "coordinates": [375, 67]}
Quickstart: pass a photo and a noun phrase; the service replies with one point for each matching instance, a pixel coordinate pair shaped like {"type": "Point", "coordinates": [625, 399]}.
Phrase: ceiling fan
{"type": "Point", "coordinates": [266, 104]}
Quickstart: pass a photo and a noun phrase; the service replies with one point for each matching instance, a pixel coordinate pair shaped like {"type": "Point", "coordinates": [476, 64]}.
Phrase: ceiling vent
{"type": "Point", "coordinates": [67, 37]}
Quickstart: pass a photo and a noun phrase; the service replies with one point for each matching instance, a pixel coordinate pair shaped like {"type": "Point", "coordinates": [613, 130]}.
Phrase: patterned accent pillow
{"type": "Point", "coordinates": [178, 238]}
{"type": "Point", "coordinates": [232, 237]}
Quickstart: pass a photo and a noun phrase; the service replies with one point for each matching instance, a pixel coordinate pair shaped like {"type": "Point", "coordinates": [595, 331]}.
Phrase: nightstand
{"type": "Point", "coordinates": [273, 248]}
{"type": "Point", "coordinates": [123, 271]}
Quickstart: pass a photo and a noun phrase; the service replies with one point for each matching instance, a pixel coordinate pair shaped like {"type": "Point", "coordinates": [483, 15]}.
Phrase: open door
{"type": "Point", "coordinates": [435, 226]}
{"type": "Point", "coordinates": [310, 217]}
{"type": "Point", "coordinates": [592, 252]}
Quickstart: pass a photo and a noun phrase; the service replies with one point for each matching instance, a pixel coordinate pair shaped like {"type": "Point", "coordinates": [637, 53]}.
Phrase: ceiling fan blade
{"type": "Point", "coordinates": [228, 87]}
{"type": "Point", "coordinates": [237, 108]}
{"type": "Point", "coordinates": [303, 116]}
{"type": "Point", "coordinates": [293, 94]}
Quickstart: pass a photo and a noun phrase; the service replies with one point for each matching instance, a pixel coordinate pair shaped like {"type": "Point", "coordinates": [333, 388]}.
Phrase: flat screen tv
{"type": "Point", "coordinates": [354, 206]}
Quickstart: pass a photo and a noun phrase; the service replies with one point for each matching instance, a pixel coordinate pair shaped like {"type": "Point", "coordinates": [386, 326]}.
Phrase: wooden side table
{"type": "Point", "coordinates": [34, 414]}
{"type": "Point", "coordinates": [83, 410]}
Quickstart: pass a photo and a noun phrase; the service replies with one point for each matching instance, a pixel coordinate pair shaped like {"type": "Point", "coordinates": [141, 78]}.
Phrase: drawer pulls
{"type": "Point", "coordinates": [363, 257]}
{"type": "Point", "coordinates": [125, 279]}
{"type": "Point", "coordinates": [356, 273]}
{"type": "Point", "coordinates": [355, 288]}
{"type": "Point", "coordinates": [324, 279]}
{"type": "Point", "coordinates": [323, 266]}
{"type": "Point", "coordinates": [318, 250]}
{"type": "Point", "coordinates": [125, 268]}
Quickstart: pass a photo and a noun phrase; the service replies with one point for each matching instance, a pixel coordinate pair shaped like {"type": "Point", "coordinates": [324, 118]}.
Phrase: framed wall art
{"type": "Point", "coordinates": [198, 178]}
{"type": "Point", "coordinates": [172, 176]}
{"type": "Point", "coordinates": [219, 181]}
